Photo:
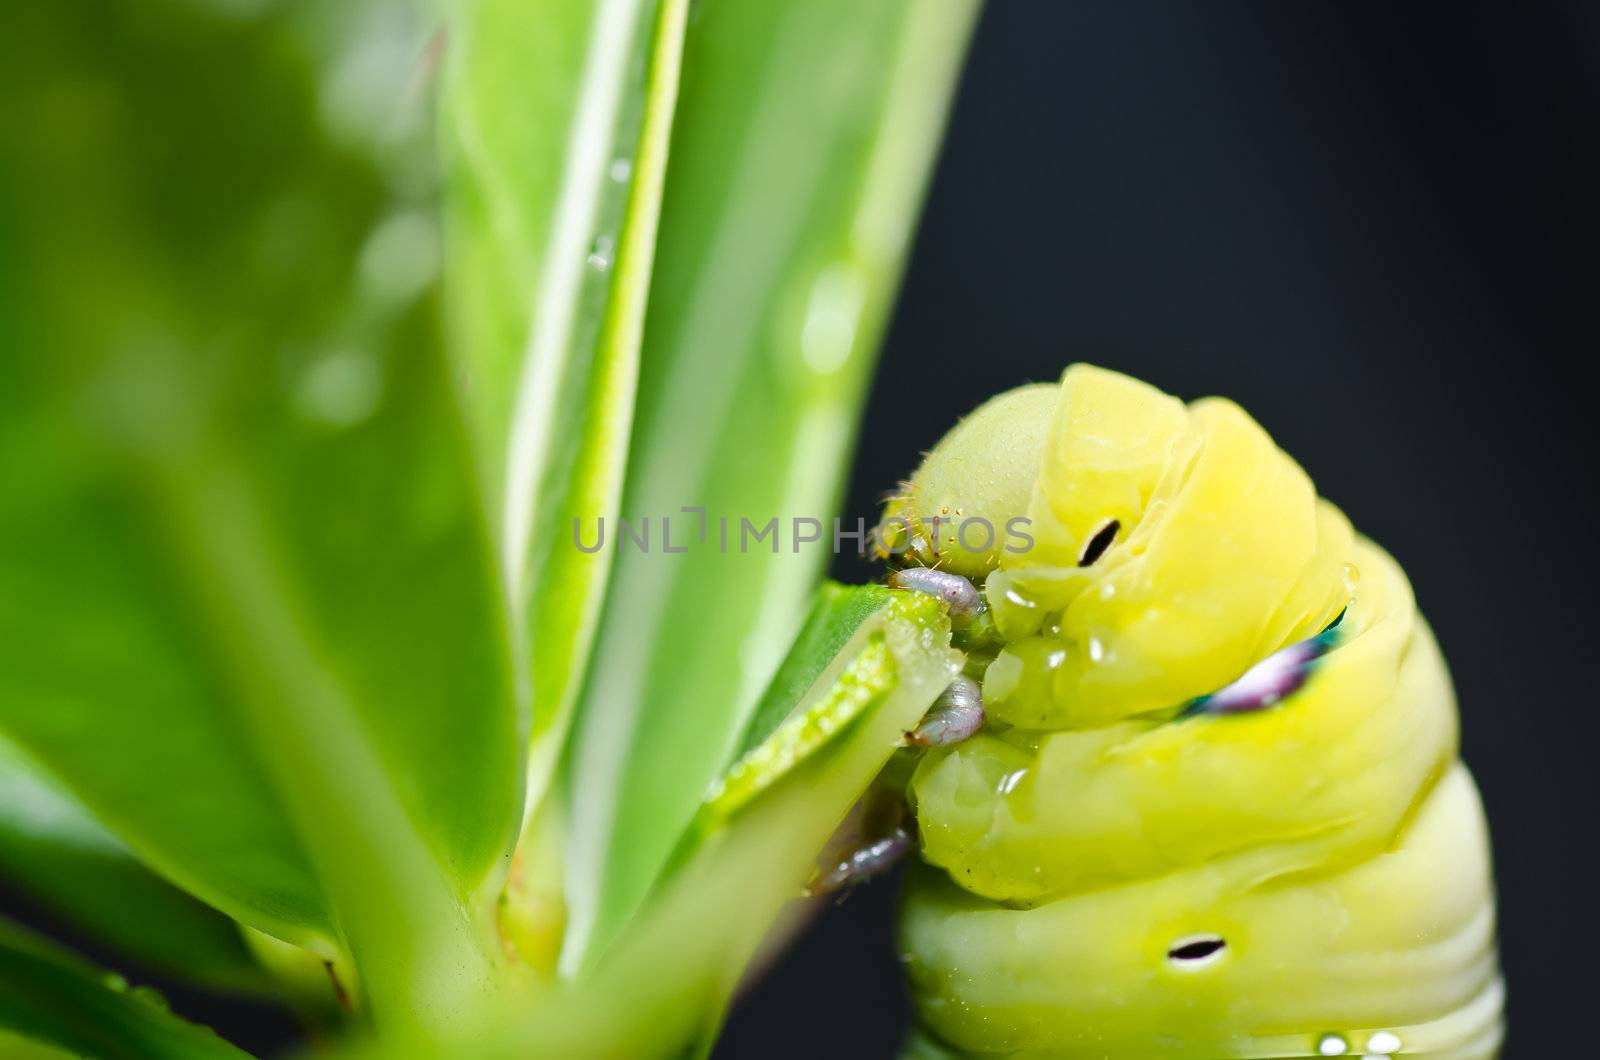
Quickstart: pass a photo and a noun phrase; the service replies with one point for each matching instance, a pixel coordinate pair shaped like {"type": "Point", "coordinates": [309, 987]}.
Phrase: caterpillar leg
{"type": "Point", "coordinates": [958, 593]}
{"type": "Point", "coordinates": [879, 835]}
{"type": "Point", "coordinates": [865, 862]}
{"type": "Point", "coordinates": [956, 715]}
{"type": "Point", "coordinates": [959, 712]}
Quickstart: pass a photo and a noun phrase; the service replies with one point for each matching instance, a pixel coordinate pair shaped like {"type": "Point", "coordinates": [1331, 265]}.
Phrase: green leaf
{"type": "Point", "coordinates": [708, 918]}
{"type": "Point", "coordinates": [556, 118]}
{"type": "Point", "coordinates": [250, 611]}
{"type": "Point", "coordinates": [49, 997]}
{"type": "Point", "coordinates": [803, 136]}
{"type": "Point", "coordinates": [65, 861]}
{"type": "Point", "coordinates": [836, 614]}
{"type": "Point", "coordinates": [745, 866]}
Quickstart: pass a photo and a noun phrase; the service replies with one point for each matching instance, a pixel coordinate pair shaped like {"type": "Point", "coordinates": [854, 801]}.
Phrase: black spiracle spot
{"type": "Point", "coordinates": [1197, 949]}
{"type": "Point", "coordinates": [1096, 546]}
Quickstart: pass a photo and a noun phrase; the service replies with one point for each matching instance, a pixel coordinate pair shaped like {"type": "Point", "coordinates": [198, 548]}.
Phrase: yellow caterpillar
{"type": "Point", "coordinates": [1215, 808]}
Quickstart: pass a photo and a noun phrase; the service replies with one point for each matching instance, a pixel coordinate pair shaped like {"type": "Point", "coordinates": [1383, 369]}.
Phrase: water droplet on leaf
{"type": "Point", "coordinates": [341, 389]}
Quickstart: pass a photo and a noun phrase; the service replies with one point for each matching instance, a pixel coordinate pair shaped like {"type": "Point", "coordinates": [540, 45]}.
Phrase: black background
{"type": "Point", "coordinates": [1371, 225]}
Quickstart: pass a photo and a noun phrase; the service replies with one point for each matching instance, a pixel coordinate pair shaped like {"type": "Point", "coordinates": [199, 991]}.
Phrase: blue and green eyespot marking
{"type": "Point", "coordinates": [1271, 681]}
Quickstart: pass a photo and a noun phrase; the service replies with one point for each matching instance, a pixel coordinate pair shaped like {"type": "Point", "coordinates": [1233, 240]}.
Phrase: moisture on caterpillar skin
{"type": "Point", "coordinates": [1213, 806]}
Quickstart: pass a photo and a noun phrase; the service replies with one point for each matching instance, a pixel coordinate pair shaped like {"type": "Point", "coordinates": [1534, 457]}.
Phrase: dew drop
{"type": "Point", "coordinates": [1383, 1043]}
{"type": "Point", "coordinates": [600, 253]}
{"type": "Point", "coordinates": [621, 170]}
{"type": "Point", "coordinates": [833, 313]}
{"type": "Point", "coordinates": [1332, 1045]}
{"type": "Point", "coordinates": [400, 257]}
{"type": "Point", "coordinates": [341, 389]}
{"type": "Point", "coordinates": [1009, 782]}
{"type": "Point", "coordinates": [1021, 601]}
{"type": "Point", "coordinates": [1352, 576]}
{"type": "Point", "coordinates": [358, 94]}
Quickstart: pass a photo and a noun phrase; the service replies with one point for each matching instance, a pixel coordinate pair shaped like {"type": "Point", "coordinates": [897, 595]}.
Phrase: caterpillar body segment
{"type": "Point", "coordinates": [1216, 808]}
{"type": "Point", "coordinates": [1388, 945]}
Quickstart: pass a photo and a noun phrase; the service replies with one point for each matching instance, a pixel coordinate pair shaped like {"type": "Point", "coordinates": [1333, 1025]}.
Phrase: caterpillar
{"type": "Point", "coordinates": [1215, 806]}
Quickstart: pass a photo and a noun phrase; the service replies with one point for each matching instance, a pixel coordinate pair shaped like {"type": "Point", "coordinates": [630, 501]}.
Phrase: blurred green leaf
{"type": "Point", "coordinates": [50, 997]}
{"type": "Point", "coordinates": [803, 136]}
{"type": "Point", "coordinates": [556, 118]}
{"type": "Point", "coordinates": [286, 581]}
{"type": "Point", "coordinates": [708, 918]}
{"type": "Point", "coordinates": [250, 612]}
{"type": "Point", "coordinates": [66, 862]}
{"type": "Point", "coordinates": [15, 1047]}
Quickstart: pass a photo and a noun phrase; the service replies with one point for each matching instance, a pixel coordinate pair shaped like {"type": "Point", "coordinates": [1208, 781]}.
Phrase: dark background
{"type": "Point", "coordinates": [1371, 225]}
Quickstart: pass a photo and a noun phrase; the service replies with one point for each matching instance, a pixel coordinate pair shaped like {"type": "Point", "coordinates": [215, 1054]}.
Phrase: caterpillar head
{"type": "Point", "coordinates": [1159, 549]}
{"type": "Point", "coordinates": [952, 513]}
